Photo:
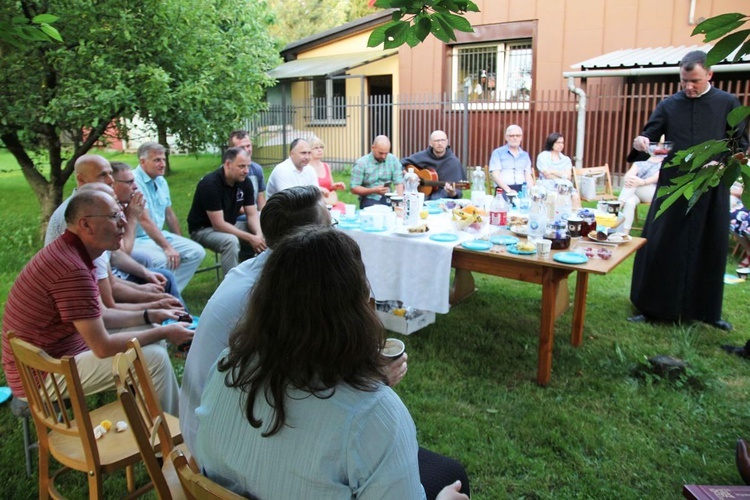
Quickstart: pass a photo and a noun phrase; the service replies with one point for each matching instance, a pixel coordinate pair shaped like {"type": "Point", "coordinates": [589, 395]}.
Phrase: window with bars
{"type": "Point", "coordinates": [328, 101]}
{"type": "Point", "coordinates": [493, 73]}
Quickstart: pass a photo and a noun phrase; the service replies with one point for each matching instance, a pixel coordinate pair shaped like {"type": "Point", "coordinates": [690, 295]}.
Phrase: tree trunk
{"type": "Point", "coordinates": [161, 131]}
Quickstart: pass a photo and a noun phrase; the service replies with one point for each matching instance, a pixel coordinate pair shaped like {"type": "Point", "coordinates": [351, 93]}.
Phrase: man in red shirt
{"type": "Point", "coordinates": [55, 305]}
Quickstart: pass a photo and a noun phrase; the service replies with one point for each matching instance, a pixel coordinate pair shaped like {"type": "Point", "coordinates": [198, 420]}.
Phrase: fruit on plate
{"type": "Point", "coordinates": [469, 218]}
{"type": "Point", "coordinates": [525, 246]}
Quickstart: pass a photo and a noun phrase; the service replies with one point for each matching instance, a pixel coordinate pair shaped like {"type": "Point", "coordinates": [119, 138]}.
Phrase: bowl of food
{"type": "Point", "coordinates": [660, 148]}
{"type": "Point", "coordinates": [470, 219]}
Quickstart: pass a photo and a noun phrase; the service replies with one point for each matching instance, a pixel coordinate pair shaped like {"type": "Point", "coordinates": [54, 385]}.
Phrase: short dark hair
{"type": "Point", "coordinates": [308, 325]}
{"type": "Point", "coordinates": [295, 142]}
{"type": "Point", "coordinates": [693, 59]}
{"type": "Point", "coordinates": [288, 210]}
{"type": "Point", "coordinates": [231, 153]}
{"type": "Point", "coordinates": [551, 140]}
{"type": "Point", "coordinates": [119, 166]}
{"type": "Point", "coordinates": [237, 134]}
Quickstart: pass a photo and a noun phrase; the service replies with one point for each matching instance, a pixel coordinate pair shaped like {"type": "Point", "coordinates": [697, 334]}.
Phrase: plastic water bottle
{"type": "Point", "coordinates": [499, 209]}
{"type": "Point", "coordinates": [478, 189]}
{"type": "Point", "coordinates": [412, 206]}
{"type": "Point", "coordinates": [537, 212]}
{"type": "Point", "coordinates": [523, 199]}
{"type": "Point", "coordinates": [564, 202]}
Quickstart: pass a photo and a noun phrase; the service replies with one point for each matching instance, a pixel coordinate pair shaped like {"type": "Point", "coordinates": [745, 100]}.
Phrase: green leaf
{"type": "Point", "coordinates": [715, 23]}
{"type": "Point", "coordinates": [458, 22]}
{"type": "Point", "coordinates": [718, 33]}
{"type": "Point", "coordinates": [742, 51]}
{"type": "Point", "coordinates": [725, 46]}
{"type": "Point", "coordinates": [51, 32]}
{"type": "Point", "coordinates": [44, 18]}
{"type": "Point", "coordinates": [442, 29]}
{"type": "Point", "coordinates": [396, 35]}
{"type": "Point", "coordinates": [377, 36]}
{"type": "Point", "coordinates": [738, 115]}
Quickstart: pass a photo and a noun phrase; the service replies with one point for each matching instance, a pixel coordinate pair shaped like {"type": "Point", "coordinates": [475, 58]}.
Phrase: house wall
{"type": "Point", "coordinates": [567, 32]}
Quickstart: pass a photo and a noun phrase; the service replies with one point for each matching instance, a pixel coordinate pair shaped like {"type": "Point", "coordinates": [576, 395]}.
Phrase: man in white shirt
{"type": "Point", "coordinates": [294, 171]}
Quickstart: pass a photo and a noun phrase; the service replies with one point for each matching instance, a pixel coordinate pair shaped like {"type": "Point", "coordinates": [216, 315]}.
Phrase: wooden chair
{"type": "Point", "coordinates": [196, 485]}
{"type": "Point", "coordinates": [153, 429]}
{"type": "Point", "coordinates": [601, 193]}
{"type": "Point", "coordinates": [65, 426]}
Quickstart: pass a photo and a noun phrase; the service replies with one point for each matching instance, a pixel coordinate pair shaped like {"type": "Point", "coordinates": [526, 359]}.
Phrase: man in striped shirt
{"type": "Point", "coordinates": [55, 305]}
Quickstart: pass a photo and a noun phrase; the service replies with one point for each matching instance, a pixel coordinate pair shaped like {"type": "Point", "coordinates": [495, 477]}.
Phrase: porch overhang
{"type": "Point", "coordinates": [327, 66]}
{"type": "Point", "coordinates": [647, 61]}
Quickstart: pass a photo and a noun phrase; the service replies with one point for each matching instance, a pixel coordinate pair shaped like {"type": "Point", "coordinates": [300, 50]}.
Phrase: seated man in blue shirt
{"type": "Point", "coordinates": [510, 166]}
{"type": "Point", "coordinates": [212, 220]}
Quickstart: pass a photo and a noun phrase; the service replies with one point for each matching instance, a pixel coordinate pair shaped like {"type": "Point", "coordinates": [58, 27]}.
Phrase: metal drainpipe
{"type": "Point", "coordinates": [580, 122]}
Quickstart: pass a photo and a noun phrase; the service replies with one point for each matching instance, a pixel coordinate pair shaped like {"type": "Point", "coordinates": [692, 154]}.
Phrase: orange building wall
{"type": "Point", "coordinates": [569, 31]}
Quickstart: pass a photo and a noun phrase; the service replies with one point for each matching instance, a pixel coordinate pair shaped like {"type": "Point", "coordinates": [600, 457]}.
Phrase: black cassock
{"type": "Point", "coordinates": [679, 274]}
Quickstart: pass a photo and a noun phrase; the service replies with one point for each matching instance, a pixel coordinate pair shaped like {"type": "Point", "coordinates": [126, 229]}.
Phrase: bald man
{"type": "Point", "coordinates": [377, 173]}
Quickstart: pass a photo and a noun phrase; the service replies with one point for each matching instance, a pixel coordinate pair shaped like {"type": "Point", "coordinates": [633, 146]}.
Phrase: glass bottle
{"type": "Point", "coordinates": [537, 213]}
{"type": "Point", "coordinates": [564, 202]}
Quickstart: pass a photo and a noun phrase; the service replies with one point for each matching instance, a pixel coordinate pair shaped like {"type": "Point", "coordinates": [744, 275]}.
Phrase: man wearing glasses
{"type": "Point", "coordinates": [510, 166]}
{"type": "Point", "coordinates": [439, 157]}
{"type": "Point", "coordinates": [55, 305]}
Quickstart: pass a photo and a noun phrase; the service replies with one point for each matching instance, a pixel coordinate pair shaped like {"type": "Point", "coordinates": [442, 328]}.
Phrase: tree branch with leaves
{"type": "Point", "coordinates": [414, 20]}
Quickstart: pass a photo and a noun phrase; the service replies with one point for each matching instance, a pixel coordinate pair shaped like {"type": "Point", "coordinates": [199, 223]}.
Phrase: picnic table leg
{"type": "Point", "coordinates": [462, 287]}
{"type": "Point", "coordinates": [579, 308]}
{"type": "Point", "coordinates": [550, 286]}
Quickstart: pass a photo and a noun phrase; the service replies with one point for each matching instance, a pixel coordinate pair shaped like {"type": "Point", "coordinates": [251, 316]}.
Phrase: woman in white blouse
{"type": "Point", "coordinates": [554, 166]}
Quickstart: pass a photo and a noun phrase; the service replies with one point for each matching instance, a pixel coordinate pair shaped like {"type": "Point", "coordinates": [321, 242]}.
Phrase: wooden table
{"type": "Point", "coordinates": [552, 275]}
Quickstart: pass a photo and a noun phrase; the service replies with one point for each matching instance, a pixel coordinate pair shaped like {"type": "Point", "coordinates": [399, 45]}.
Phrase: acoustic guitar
{"type": "Point", "coordinates": [429, 183]}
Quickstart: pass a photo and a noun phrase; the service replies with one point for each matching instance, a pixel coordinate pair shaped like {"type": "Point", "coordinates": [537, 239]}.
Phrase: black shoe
{"type": "Point", "coordinates": [721, 325]}
{"type": "Point", "coordinates": [639, 318]}
{"type": "Point", "coordinates": [733, 349]}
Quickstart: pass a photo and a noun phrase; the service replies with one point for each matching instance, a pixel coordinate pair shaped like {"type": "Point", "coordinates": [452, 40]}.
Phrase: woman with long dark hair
{"type": "Point", "coordinates": [298, 406]}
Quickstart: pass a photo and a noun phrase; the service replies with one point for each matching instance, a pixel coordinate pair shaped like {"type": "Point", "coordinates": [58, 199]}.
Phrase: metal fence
{"type": "Point", "coordinates": [615, 113]}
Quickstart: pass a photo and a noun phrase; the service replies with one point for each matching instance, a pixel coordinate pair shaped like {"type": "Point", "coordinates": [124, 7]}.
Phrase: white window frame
{"type": "Point", "coordinates": [497, 98]}
{"type": "Point", "coordinates": [329, 104]}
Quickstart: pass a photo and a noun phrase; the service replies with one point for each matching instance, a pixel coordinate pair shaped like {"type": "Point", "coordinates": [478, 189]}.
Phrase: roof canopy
{"type": "Point", "coordinates": [328, 66]}
{"type": "Point", "coordinates": [646, 61]}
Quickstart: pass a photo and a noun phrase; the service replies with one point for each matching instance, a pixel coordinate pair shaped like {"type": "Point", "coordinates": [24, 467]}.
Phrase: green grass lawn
{"type": "Point", "coordinates": [595, 432]}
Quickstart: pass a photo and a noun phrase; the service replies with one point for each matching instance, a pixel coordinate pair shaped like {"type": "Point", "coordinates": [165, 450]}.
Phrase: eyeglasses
{"type": "Point", "coordinates": [515, 135]}
{"type": "Point", "coordinates": [334, 222]}
{"type": "Point", "coordinates": [129, 183]}
{"type": "Point", "coordinates": [119, 216]}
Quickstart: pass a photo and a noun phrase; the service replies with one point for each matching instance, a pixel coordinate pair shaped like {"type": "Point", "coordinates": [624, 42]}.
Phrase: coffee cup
{"type": "Point", "coordinates": [393, 349]}
{"type": "Point", "coordinates": [574, 226]}
{"type": "Point", "coordinates": [613, 207]}
{"type": "Point", "coordinates": [543, 248]}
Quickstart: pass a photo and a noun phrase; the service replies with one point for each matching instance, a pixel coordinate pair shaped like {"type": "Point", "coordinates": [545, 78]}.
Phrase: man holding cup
{"type": "Point", "coordinates": [375, 173]}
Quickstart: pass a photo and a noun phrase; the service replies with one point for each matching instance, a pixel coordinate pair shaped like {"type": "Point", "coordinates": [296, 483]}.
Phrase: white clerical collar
{"type": "Point", "coordinates": [706, 91]}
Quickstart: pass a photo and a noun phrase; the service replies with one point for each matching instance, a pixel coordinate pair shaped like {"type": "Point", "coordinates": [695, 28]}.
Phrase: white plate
{"type": "Point", "coordinates": [402, 231]}
{"type": "Point", "coordinates": [625, 239]}
{"type": "Point", "coordinates": [522, 231]}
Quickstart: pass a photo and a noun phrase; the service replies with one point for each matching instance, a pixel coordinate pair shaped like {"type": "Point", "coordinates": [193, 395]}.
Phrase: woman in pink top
{"type": "Point", "coordinates": [325, 179]}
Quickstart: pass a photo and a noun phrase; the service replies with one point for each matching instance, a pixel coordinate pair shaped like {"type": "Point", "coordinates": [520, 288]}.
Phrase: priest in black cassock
{"type": "Point", "coordinates": [679, 274]}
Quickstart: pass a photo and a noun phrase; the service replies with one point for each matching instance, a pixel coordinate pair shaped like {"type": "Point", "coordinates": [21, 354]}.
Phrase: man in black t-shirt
{"type": "Point", "coordinates": [212, 220]}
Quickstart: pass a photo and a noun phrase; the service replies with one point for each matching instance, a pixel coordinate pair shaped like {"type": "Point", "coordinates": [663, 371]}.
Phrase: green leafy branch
{"type": "Point", "coordinates": [415, 19]}
{"type": "Point", "coordinates": [706, 165]}
{"type": "Point", "coordinates": [19, 30]}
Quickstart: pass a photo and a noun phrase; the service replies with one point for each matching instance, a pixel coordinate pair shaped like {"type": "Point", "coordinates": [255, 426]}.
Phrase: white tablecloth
{"type": "Point", "coordinates": [413, 269]}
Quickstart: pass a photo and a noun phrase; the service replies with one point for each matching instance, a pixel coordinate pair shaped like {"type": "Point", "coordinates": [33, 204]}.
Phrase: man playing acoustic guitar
{"type": "Point", "coordinates": [439, 157]}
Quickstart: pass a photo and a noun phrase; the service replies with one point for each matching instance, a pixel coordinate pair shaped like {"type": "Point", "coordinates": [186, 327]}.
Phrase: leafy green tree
{"type": "Point", "coordinates": [705, 165]}
{"type": "Point", "coordinates": [415, 19]}
{"type": "Point", "coordinates": [296, 19]}
{"type": "Point", "coordinates": [193, 67]}
{"type": "Point", "coordinates": [14, 33]}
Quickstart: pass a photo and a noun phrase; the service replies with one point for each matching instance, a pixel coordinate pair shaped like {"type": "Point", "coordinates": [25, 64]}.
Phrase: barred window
{"type": "Point", "coordinates": [498, 72]}
{"type": "Point", "coordinates": [328, 100]}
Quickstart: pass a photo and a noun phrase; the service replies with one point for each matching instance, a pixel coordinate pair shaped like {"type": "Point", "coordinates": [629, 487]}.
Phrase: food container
{"type": "Point", "coordinates": [559, 236]}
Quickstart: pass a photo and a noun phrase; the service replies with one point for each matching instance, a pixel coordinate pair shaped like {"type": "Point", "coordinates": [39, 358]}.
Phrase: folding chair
{"type": "Point", "coordinates": [65, 426]}
{"type": "Point", "coordinates": [153, 429]}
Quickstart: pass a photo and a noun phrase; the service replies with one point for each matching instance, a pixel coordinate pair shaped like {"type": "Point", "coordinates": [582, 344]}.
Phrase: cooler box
{"type": "Point", "coordinates": [400, 324]}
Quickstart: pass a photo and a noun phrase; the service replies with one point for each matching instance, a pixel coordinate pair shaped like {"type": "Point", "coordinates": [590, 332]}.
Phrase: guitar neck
{"type": "Point", "coordinates": [439, 184]}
